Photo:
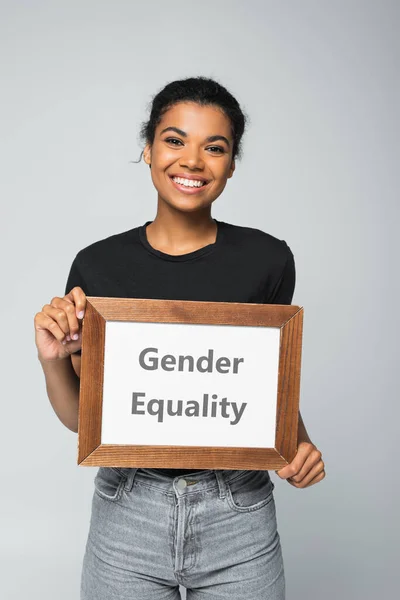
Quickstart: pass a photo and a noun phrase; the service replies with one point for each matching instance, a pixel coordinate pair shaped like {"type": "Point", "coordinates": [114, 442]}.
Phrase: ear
{"type": "Point", "coordinates": [147, 154]}
{"type": "Point", "coordinates": [231, 169]}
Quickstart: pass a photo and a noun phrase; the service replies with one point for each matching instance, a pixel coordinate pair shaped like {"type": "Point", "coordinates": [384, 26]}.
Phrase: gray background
{"type": "Point", "coordinates": [320, 83]}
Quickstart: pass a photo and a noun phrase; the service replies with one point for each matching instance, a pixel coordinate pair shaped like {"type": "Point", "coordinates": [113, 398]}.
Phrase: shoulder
{"type": "Point", "coordinates": [106, 248]}
{"type": "Point", "coordinates": [94, 266]}
{"type": "Point", "coordinates": [258, 242]}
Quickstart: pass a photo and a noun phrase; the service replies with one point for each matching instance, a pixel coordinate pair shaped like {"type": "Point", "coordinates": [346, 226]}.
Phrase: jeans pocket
{"type": "Point", "coordinates": [109, 483]}
{"type": "Point", "coordinates": [250, 492]}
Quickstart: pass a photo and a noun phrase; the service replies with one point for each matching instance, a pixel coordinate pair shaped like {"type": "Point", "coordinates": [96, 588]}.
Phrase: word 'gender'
{"type": "Point", "coordinates": [168, 362]}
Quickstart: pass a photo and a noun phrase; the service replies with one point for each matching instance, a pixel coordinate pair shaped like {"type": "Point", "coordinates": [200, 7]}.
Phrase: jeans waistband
{"type": "Point", "coordinates": [187, 483]}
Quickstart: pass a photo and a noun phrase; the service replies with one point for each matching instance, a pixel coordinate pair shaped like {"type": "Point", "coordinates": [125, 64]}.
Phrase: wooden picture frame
{"type": "Point", "coordinates": [100, 310]}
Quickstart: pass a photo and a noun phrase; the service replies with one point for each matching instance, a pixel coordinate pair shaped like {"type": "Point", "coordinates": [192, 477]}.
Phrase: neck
{"type": "Point", "coordinates": [177, 232]}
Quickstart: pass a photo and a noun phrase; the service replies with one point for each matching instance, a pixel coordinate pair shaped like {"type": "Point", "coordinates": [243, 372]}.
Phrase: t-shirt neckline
{"type": "Point", "coordinates": [208, 249]}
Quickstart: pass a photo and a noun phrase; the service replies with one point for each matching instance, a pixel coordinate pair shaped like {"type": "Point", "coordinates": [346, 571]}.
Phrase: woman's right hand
{"type": "Point", "coordinates": [58, 327]}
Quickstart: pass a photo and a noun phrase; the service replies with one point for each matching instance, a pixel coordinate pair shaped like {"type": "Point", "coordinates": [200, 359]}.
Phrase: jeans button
{"type": "Point", "coordinates": [181, 484]}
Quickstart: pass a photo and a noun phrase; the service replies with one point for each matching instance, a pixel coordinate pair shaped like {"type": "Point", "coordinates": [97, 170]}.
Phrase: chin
{"type": "Point", "coordinates": [181, 201]}
{"type": "Point", "coordinates": [186, 207]}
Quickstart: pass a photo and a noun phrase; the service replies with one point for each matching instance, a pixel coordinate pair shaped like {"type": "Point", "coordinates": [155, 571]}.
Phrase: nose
{"type": "Point", "coordinates": [192, 159]}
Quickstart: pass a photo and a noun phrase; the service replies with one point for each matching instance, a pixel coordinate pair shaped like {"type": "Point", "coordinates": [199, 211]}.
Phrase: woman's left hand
{"type": "Point", "coordinates": [306, 468]}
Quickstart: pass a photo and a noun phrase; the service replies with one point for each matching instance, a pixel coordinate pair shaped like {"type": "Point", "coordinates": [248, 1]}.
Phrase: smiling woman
{"type": "Point", "coordinates": [189, 170]}
{"type": "Point", "coordinates": [157, 528]}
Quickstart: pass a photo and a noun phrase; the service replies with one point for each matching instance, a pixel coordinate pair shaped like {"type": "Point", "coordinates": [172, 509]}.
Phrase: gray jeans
{"type": "Point", "coordinates": [214, 532]}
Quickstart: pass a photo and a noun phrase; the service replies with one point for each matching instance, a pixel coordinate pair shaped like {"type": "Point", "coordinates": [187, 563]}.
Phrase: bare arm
{"type": "Point", "coordinates": [307, 467]}
{"type": "Point", "coordinates": [58, 336]}
{"type": "Point", "coordinates": [62, 385]}
{"type": "Point", "coordinates": [302, 435]}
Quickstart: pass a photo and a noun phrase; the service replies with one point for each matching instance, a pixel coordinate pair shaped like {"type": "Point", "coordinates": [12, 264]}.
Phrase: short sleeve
{"type": "Point", "coordinates": [75, 278]}
{"type": "Point", "coordinates": [284, 289]}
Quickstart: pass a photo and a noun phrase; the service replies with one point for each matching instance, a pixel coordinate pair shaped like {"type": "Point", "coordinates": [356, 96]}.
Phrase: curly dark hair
{"type": "Point", "coordinates": [203, 91]}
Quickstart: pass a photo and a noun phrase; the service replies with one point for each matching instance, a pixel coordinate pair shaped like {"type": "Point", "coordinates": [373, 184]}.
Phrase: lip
{"type": "Point", "coordinates": [188, 190]}
{"type": "Point", "coordinates": [185, 176]}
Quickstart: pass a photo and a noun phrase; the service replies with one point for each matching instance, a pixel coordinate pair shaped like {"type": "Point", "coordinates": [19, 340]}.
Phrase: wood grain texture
{"type": "Point", "coordinates": [289, 386]}
{"type": "Point", "coordinates": [185, 457]}
{"type": "Point", "coordinates": [91, 382]}
{"type": "Point", "coordinates": [91, 452]}
{"type": "Point", "coordinates": [187, 311]}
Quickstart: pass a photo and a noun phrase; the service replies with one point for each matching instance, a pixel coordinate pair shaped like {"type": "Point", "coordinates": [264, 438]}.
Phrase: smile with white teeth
{"type": "Point", "coordinates": [188, 182]}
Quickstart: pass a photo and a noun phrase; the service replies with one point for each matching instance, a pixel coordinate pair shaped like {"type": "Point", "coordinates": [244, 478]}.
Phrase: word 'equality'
{"type": "Point", "coordinates": [160, 407]}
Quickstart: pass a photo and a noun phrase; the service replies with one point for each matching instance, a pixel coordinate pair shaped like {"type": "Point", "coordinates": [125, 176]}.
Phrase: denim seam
{"type": "Point", "coordinates": [153, 487]}
{"type": "Point", "coordinates": [212, 485]}
{"type": "Point", "coordinates": [172, 494]}
{"type": "Point", "coordinates": [252, 507]}
{"type": "Point", "coordinates": [113, 499]}
{"type": "Point", "coordinates": [118, 492]}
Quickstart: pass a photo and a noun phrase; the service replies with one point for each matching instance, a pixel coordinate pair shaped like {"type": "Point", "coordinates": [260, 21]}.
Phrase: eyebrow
{"type": "Point", "coordinates": [211, 138]}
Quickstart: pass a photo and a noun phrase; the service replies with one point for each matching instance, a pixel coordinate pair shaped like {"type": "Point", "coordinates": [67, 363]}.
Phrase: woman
{"type": "Point", "coordinates": [212, 531]}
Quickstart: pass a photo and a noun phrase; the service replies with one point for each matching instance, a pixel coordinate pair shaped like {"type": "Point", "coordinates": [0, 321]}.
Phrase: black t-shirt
{"type": "Point", "coordinates": [243, 265]}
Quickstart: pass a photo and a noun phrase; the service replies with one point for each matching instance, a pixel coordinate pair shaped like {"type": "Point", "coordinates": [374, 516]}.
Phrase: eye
{"type": "Point", "coordinates": [221, 150]}
{"type": "Point", "coordinates": [170, 140]}
{"type": "Point", "coordinates": [217, 148]}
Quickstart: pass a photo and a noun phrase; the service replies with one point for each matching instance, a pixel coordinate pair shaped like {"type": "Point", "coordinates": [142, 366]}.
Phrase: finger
{"type": "Point", "coordinates": [44, 322]}
{"type": "Point", "coordinates": [316, 474]}
{"type": "Point", "coordinates": [57, 315]}
{"type": "Point", "coordinates": [311, 461]}
{"type": "Point", "coordinates": [68, 309]}
{"type": "Point", "coordinates": [78, 297]}
{"type": "Point", "coordinates": [297, 463]}
{"type": "Point", "coordinates": [318, 478]}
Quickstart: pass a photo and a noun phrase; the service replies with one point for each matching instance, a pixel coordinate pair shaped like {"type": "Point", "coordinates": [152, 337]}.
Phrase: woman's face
{"type": "Point", "coordinates": [199, 146]}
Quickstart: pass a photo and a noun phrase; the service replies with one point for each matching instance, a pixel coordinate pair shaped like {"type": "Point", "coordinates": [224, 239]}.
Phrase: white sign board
{"type": "Point", "coordinates": [190, 384]}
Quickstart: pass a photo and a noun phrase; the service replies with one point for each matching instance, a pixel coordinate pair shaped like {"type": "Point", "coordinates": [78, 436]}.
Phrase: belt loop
{"type": "Point", "coordinates": [221, 483]}
{"type": "Point", "coordinates": [130, 478]}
